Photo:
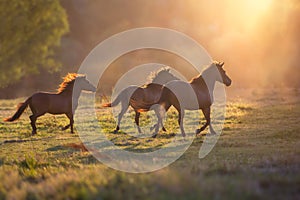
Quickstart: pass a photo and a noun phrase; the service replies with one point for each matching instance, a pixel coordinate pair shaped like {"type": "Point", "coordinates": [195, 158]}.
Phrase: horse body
{"type": "Point", "coordinates": [194, 95]}
{"type": "Point", "coordinates": [63, 102]}
{"type": "Point", "coordinates": [184, 94]}
{"type": "Point", "coordinates": [43, 102]}
{"type": "Point", "coordinates": [143, 97]}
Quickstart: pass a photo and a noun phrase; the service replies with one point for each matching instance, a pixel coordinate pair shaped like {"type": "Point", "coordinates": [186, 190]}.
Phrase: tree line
{"type": "Point", "coordinates": [30, 37]}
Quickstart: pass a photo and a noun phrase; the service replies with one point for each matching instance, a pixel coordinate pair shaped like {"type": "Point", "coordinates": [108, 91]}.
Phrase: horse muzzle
{"type": "Point", "coordinates": [228, 82]}
{"type": "Point", "coordinates": [94, 89]}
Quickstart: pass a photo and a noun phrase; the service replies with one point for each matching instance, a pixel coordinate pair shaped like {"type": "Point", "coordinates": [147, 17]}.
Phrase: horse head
{"type": "Point", "coordinates": [224, 77]}
{"type": "Point", "coordinates": [215, 72]}
{"type": "Point", "coordinates": [84, 84]}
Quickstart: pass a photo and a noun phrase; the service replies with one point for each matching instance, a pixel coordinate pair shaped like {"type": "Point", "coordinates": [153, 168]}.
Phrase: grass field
{"type": "Point", "coordinates": [257, 156]}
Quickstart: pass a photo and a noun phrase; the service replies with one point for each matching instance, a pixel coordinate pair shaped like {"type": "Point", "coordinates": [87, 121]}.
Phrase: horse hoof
{"type": "Point", "coordinates": [198, 131]}
{"type": "Point", "coordinates": [154, 135]}
{"type": "Point", "coordinates": [164, 129]}
{"type": "Point", "coordinates": [115, 131]}
{"type": "Point", "coordinates": [33, 133]}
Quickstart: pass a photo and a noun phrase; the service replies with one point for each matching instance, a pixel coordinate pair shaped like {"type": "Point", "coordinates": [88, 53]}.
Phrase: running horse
{"type": "Point", "coordinates": [178, 94]}
{"type": "Point", "coordinates": [65, 101]}
{"type": "Point", "coordinates": [143, 97]}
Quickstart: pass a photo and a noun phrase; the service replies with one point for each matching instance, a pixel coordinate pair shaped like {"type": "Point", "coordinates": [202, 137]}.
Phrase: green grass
{"type": "Point", "coordinates": [257, 156]}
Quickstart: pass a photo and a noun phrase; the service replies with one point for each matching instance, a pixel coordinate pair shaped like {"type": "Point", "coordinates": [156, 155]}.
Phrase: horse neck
{"type": "Point", "coordinates": [71, 97]}
{"type": "Point", "coordinates": [206, 84]}
{"type": "Point", "coordinates": [210, 83]}
{"type": "Point", "coordinates": [68, 93]}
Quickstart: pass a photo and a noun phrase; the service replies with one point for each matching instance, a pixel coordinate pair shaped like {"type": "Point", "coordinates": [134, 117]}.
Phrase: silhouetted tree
{"type": "Point", "coordinates": [29, 35]}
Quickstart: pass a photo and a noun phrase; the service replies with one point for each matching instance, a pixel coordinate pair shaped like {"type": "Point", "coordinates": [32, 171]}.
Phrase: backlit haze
{"type": "Point", "coordinates": [257, 40]}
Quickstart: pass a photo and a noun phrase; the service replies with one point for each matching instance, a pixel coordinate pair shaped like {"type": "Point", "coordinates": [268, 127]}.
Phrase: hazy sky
{"type": "Point", "coordinates": [257, 39]}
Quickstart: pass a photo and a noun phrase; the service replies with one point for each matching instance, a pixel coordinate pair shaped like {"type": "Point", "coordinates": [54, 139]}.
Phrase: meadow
{"type": "Point", "coordinates": [257, 156]}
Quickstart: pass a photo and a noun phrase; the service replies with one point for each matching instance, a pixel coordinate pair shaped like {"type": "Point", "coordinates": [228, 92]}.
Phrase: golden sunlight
{"type": "Point", "coordinates": [257, 6]}
{"type": "Point", "coordinates": [249, 11]}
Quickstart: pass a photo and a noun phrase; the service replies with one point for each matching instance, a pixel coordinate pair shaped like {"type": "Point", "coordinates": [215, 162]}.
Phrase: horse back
{"type": "Point", "coordinates": [43, 102]}
{"type": "Point", "coordinates": [145, 97]}
{"type": "Point", "coordinates": [187, 95]}
{"type": "Point", "coordinates": [152, 92]}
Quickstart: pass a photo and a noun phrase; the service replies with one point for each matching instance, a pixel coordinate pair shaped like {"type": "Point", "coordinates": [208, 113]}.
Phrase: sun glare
{"type": "Point", "coordinates": [249, 11]}
{"type": "Point", "coordinates": [257, 6]}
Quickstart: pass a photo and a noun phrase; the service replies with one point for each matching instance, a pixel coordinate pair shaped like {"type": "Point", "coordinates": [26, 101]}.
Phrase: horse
{"type": "Point", "coordinates": [142, 97]}
{"type": "Point", "coordinates": [65, 101]}
{"type": "Point", "coordinates": [178, 93]}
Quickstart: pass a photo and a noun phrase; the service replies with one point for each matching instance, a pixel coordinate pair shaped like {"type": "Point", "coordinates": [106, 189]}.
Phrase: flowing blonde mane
{"type": "Point", "coordinates": [68, 81]}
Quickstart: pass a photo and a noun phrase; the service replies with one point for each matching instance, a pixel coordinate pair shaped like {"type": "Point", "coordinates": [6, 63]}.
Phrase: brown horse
{"type": "Point", "coordinates": [142, 98]}
{"type": "Point", "coordinates": [178, 94]}
{"type": "Point", "coordinates": [55, 103]}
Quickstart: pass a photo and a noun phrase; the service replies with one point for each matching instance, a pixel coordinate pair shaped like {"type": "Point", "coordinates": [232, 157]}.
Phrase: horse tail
{"type": "Point", "coordinates": [123, 96]}
{"type": "Point", "coordinates": [114, 103]}
{"type": "Point", "coordinates": [21, 108]}
{"type": "Point", "coordinates": [106, 105]}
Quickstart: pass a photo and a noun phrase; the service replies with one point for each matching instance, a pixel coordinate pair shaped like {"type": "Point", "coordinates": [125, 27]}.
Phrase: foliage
{"type": "Point", "coordinates": [29, 36]}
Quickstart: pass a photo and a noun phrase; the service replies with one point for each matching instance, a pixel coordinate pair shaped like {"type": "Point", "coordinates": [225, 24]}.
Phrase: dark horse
{"type": "Point", "coordinates": [142, 98]}
{"type": "Point", "coordinates": [55, 103]}
{"type": "Point", "coordinates": [179, 94]}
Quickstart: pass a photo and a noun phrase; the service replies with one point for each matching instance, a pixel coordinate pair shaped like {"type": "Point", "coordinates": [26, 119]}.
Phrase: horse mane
{"type": "Point", "coordinates": [199, 77]}
{"type": "Point", "coordinates": [68, 82]}
{"type": "Point", "coordinates": [196, 78]}
{"type": "Point", "coordinates": [158, 74]}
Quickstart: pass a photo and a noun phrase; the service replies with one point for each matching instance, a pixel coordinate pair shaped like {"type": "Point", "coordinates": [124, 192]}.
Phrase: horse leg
{"type": "Point", "coordinates": [120, 116]}
{"type": "Point", "coordinates": [33, 119]}
{"type": "Point", "coordinates": [180, 122]}
{"type": "Point", "coordinates": [206, 113]}
{"type": "Point", "coordinates": [160, 112]}
{"type": "Point", "coordinates": [137, 120]}
{"type": "Point", "coordinates": [66, 127]}
{"type": "Point", "coordinates": [164, 111]}
{"type": "Point", "coordinates": [70, 116]}
{"type": "Point", "coordinates": [35, 114]}
{"type": "Point", "coordinates": [32, 123]}
{"type": "Point", "coordinates": [159, 121]}
{"type": "Point", "coordinates": [154, 126]}
{"type": "Point", "coordinates": [180, 118]}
